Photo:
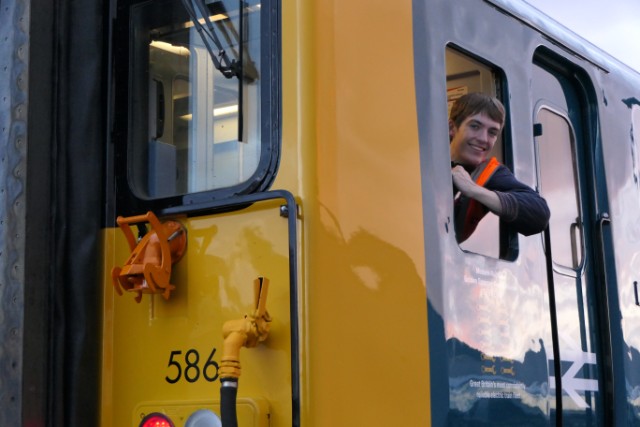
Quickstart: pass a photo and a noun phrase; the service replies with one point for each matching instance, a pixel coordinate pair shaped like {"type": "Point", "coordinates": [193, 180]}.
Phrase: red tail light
{"type": "Point", "coordinates": [156, 420]}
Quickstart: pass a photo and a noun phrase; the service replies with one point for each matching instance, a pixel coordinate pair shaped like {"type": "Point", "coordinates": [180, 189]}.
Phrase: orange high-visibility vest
{"type": "Point", "coordinates": [469, 212]}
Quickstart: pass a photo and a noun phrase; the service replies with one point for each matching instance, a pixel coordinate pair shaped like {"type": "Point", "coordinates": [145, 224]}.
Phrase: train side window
{"type": "Point", "coordinates": [466, 74]}
{"type": "Point", "coordinates": [194, 99]}
{"type": "Point", "coordinates": [559, 186]}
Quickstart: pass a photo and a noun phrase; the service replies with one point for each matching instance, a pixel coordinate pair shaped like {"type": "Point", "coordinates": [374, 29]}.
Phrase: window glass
{"type": "Point", "coordinates": [558, 185]}
{"type": "Point", "coordinates": [635, 124]}
{"type": "Point", "coordinates": [467, 75]}
{"type": "Point", "coordinates": [194, 118]}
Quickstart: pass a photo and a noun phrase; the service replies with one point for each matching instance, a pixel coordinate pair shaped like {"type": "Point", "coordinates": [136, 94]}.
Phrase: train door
{"type": "Point", "coordinates": [493, 314]}
{"type": "Point", "coordinates": [565, 175]}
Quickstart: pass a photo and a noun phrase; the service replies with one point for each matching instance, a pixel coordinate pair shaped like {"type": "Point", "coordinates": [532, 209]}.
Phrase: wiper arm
{"type": "Point", "coordinates": [229, 67]}
{"type": "Point", "coordinates": [208, 35]}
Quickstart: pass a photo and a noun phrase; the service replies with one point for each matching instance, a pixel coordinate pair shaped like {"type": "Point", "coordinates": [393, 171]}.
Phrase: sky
{"type": "Point", "coordinates": [612, 25]}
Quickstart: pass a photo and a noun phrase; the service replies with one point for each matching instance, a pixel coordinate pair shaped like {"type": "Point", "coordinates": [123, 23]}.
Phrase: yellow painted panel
{"type": "Point", "coordinates": [169, 350]}
{"type": "Point", "coordinates": [367, 340]}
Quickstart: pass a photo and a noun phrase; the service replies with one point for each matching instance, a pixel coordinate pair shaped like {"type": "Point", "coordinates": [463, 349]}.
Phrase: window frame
{"type": "Point", "coordinates": [126, 201]}
{"type": "Point", "coordinates": [561, 267]}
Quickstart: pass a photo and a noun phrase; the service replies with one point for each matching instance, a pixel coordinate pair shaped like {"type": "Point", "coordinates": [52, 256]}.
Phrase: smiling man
{"type": "Point", "coordinates": [482, 184]}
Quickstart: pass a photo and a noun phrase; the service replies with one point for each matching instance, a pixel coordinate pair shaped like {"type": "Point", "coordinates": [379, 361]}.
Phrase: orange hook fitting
{"type": "Point", "coordinates": [148, 269]}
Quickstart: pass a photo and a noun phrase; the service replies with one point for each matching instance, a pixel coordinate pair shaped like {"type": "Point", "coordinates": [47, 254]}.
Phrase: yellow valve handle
{"type": "Point", "coordinates": [260, 292]}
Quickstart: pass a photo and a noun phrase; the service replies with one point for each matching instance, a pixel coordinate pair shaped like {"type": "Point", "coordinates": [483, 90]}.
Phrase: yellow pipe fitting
{"type": "Point", "coordinates": [246, 332]}
{"type": "Point", "coordinates": [235, 334]}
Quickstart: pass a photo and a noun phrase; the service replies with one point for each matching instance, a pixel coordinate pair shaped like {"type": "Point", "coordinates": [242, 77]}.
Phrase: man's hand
{"type": "Point", "coordinates": [462, 180]}
{"type": "Point", "coordinates": [465, 185]}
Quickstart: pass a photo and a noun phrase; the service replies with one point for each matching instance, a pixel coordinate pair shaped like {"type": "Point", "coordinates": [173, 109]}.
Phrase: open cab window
{"type": "Point", "coordinates": [635, 123]}
{"type": "Point", "coordinates": [467, 74]}
{"type": "Point", "coordinates": [196, 104]}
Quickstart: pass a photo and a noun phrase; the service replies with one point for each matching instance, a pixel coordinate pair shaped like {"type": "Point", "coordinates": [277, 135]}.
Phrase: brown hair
{"type": "Point", "coordinates": [474, 103]}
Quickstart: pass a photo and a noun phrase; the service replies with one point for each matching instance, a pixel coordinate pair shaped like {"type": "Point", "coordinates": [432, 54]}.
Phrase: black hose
{"type": "Point", "coordinates": [228, 393]}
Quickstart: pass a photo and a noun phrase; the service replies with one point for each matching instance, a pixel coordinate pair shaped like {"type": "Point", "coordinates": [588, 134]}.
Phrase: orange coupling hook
{"type": "Point", "coordinates": [148, 269]}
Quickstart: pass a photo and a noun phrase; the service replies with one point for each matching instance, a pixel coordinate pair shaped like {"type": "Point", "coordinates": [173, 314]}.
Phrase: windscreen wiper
{"type": "Point", "coordinates": [240, 65]}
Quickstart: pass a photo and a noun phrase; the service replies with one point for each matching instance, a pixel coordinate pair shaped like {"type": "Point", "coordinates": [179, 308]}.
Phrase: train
{"type": "Point", "coordinates": [240, 213]}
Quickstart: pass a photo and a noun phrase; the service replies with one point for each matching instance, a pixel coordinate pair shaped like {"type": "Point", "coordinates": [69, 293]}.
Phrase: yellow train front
{"type": "Point", "coordinates": [236, 136]}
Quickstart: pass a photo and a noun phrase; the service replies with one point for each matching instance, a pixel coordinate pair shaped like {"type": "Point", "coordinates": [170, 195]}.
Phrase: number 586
{"type": "Point", "coordinates": [189, 366]}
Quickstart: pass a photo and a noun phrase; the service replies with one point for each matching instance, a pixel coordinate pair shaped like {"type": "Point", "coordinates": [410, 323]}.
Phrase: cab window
{"type": "Point", "coordinates": [467, 74]}
{"type": "Point", "coordinates": [194, 113]}
{"type": "Point", "coordinates": [635, 124]}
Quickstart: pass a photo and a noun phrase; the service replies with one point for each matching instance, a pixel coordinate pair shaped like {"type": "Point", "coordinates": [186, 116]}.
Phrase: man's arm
{"type": "Point", "coordinates": [522, 207]}
{"type": "Point", "coordinates": [463, 182]}
{"type": "Point", "coordinates": [514, 202]}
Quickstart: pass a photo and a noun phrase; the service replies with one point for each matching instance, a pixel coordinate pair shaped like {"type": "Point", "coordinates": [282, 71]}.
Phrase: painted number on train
{"type": "Point", "coordinates": [190, 367]}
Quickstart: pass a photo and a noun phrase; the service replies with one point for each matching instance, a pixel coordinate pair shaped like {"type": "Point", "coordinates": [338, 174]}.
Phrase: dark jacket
{"type": "Point", "coordinates": [523, 208]}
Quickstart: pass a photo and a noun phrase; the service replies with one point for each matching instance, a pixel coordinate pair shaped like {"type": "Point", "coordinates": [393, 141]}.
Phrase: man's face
{"type": "Point", "coordinates": [472, 141]}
